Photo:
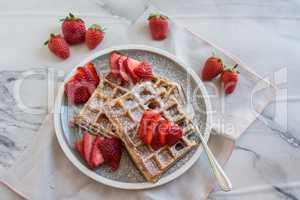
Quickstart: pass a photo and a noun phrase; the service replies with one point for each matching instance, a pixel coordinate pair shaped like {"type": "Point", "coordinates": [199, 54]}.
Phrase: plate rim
{"type": "Point", "coordinates": [114, 183]}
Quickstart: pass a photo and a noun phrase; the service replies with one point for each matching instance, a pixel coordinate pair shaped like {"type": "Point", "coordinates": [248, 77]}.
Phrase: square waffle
{"type": "Point", "coordinates": [125, 113]}
{"type": "Point", "coordinates": [91, 117]}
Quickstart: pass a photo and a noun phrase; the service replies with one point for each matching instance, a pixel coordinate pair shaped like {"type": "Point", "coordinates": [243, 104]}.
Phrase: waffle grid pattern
{"type": "Point", "coordinates": [91, 117]}
{"type": "Point", "coordinates": [126, 111]}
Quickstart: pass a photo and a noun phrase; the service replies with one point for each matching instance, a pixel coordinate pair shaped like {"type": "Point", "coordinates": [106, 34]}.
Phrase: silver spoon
{"type": "Point", "coordinates": [222, 179]}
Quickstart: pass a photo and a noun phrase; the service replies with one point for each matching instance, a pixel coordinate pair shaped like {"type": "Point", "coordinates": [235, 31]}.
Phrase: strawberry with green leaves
{"type": "Point", "coordinates": [158, 25]}
{"type": "Point", "coordinates": [73, 29]}
{"type": "Point", "coordinates": [94, 36]}
{"type": "Point", "coordinates": [58, 46]}
{"type": "Point", "coordinates": [229, 79]}
{"type": "Point", "coordinates": [212, 68]}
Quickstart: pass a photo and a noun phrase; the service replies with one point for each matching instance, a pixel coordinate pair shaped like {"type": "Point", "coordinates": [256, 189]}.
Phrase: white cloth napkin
{"type": "Point", "coordinates": [43, 171]}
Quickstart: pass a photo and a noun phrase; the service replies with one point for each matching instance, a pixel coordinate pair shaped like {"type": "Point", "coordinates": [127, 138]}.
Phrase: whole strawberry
{"type": "Point", "coordinates": [58, 46]}
{"type": "Point", "coordinates": [229, 79]}
{"type": "Point", "coordinates": [73, 29]}
{"type": "Point", "coordinates": [212, 68]}
{"type": "Point", "coordinates": [158, 25]}
{"type": "Point", "coordinates": [94, 36]}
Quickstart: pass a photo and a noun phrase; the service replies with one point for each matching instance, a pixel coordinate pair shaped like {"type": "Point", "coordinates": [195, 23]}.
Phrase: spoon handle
{"type": "Point", "coordinates": [219, 173]}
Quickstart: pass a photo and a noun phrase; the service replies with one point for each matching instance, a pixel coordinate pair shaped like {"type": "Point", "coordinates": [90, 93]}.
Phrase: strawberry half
{"type": "Point", "coordinates": [78, 92]}
{"type": "Point", "coordinates": [88, 140]}
{"type": "Point", "coordinates": [81, 74]}
{"type": "Point", "coordinates": [92, 73]}
{"type": "Point", "coordinates": [113, 62]}
{"type": "Point", "coordinates": [79, 146]}
{"type": "Point", "coordinates": [111, 149]}
{"type": "Point", "coordinates": [131, 64]}
{"type": "Point", "coordinates": [122, 70]}
{"type": "Point", "coordinates": [159, 138]}
{"type": "Point", "coordinates": [80, 87]}
{"type": "Point", "coordinates": [96, 158]}
{"type": "Point", "coordinates": [174, 135]}
{"type": "Point", "coordinates": [148, 125]}
{"type": "Point", "coordinates": [144, 71]}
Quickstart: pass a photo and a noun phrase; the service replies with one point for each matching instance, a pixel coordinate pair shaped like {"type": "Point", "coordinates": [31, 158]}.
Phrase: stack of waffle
{"type": "Point", "coordinates": [116, 110]}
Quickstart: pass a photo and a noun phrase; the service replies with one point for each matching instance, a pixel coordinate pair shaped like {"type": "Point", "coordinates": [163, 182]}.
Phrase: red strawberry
{"type": "Point", "coordinates": [88, 140]}
{"type": "Point", "coordinates": [79, 146]}
{"type": "Point", "coordinates": [161, 131]}
{"type": "Point", "coordinates": [130, 65]}
{"type": "Point", "coordinates": [113, 62]}
{"type": "Point", "coordinates": [212, 68]}
{"type": "Point", "coordinates": [150, 130]}
{"type": "Point", "coordinates": [96, 158]}
{"type": "Point", "coordinates": [94, 36]}
{"type": "Point", "coordinates": [144, 71]}
{"type": "Point", "coordinates": [92, 73]}
{"type": "Point", "coordinates": [155, 141]}
{"type": "Point", "coordinates": [81, 74]}
{"type": "Point", "coordinates": [122, 70]}
{"type": "Point", "coordinates": [73, 29]}
{"type": "Point", "coordinates": [148, 124]}
{"type": "Point", "coordinates": [58, 46]}
{"type": "Point", "coordinates": [174, 135]}
{"type": "Point", "coordinates": [158, 25]}
{"type": "Point", "coordinates": [78, 92]}
{"type": "Point", "coordinates": [80, 87]}
{"type": "Point", "coordinates": [111, 149]}
{"type": "Point", "coordinates": [229, 79]}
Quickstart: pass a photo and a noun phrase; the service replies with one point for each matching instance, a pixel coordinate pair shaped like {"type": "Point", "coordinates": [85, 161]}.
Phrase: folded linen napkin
{"type": "Point", "coordinates": [44, 172]}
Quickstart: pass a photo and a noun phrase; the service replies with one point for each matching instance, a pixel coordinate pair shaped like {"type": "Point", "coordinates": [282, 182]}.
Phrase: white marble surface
{"type": "Point", "coordinates": [264, 34]}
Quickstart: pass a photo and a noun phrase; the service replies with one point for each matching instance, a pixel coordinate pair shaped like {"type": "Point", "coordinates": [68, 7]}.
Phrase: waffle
{"type": "Point", "coordinates": [125, 113]}
{"type": "Point", "coordinates": [91, 117]}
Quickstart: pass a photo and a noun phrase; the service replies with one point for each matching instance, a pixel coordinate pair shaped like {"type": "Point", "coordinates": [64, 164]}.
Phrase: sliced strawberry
{"type": "Point", "coordinates": [79, 146]}
{"type": "Point", "coordinates": [96, 158]}
{"type": "Point", "coordinates": [88, 140]}
{"type": "Point", "coordinates": [113, 62]}
{"type": "Point", "coordinates": [144, 71]}
{"type": "Point", "coordinates": [151, 126]}
{"type": "Point", "coordinates": [80, 74]}
{"type": "Point", "coordinates": [174, 135]}
{"type": "Point", "coordinates": [146, 120]}
{"type": "Point", "coordinates": [80, 86]}
{"type": "Point", "coordinates": [159, 138]}
{"type": "Point", "coordinates": [78, 91]}
{"type": "Point", "coordinates": [122, 70]}
{"type": "Point", "coordinates": [92, 73]}
{"type": "Point", "coordinates": [130, 64]}
{"type": "Point", "coordinates": [162, 129]}
{"type": "Point", "coordinates": [111, 149]}
{"type": "Point", "coordinates": [155, 142]}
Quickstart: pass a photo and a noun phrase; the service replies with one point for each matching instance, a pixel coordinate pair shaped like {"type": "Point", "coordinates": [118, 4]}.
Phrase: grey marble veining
{"type": "Point", "coordinates": [16, 127]}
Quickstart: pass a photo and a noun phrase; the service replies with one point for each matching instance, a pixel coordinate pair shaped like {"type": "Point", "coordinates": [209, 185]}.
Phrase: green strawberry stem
{"type": "Point", "coordinates": [70, 17]}
{"type": "Point", "coordinates": [233, 68]}
{"type": "Point", "coordinates": [97, 27]}
{"type": "Point", "coordinates": [51, 36]}
{"type": "Point", "coordinates": [158, 16]}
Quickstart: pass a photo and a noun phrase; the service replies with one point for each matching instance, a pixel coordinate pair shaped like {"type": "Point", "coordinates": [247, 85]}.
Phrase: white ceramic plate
{"type": "Point", "coordinates": [127, 176]}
